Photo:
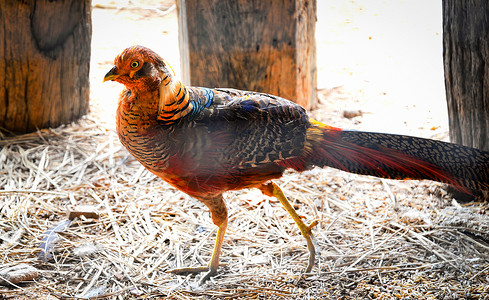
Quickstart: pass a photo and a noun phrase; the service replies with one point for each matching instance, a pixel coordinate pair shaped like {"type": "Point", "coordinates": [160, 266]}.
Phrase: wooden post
{"type": "Point", "coordinates": [466, 60]}
{"type": "Point", "coordinates": [265, 46]}
{"type": "Point", "coordinates": [44, 58]}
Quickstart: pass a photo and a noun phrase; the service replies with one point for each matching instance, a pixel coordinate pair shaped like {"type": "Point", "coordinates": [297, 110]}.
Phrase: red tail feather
{"type": "Point", "coordinates": [330, 147]}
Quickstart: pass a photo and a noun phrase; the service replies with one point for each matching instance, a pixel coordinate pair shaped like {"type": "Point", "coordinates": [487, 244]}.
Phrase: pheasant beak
{"type": "Point", "coordinates": [111, 75]}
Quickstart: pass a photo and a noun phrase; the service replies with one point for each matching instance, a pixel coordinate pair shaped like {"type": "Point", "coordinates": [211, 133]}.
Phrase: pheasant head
{"type": "Point", "coordinates": [140, 68]}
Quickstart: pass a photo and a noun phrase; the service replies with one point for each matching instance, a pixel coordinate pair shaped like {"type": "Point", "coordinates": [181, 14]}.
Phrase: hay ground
{"type": "Point", "coordinates": [379, 239]}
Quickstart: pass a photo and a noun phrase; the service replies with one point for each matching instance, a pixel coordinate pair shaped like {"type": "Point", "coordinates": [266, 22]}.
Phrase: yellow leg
{"type": "Point", "coordinates": [273, 190]}
{"type": "Point", "coordinates": [219, 217]}
{"type": "Point", "coordinates": [211, 269]}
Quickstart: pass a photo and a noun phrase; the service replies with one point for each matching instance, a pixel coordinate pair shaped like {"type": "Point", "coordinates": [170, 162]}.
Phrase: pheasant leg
{"type": "Point", "coordinates": [211, 268]}
{"type": "Point", "coordinates": [273, 190]}
{"type": "Point", "coordinates": [219, 217]}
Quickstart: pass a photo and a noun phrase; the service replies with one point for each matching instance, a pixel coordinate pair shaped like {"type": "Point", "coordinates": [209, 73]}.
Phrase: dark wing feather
{"type": "Point", "coordinates": [242, 131]}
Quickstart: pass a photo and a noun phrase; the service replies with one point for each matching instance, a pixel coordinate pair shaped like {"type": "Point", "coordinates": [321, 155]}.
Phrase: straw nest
{"type": "Point", "coordinates": [80, 218]}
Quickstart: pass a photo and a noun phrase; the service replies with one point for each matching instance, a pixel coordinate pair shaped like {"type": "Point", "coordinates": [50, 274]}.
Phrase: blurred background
{"type": "Point", "coordinates": [383, 58]}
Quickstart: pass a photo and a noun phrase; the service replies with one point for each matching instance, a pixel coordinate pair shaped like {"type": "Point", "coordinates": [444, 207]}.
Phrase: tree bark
{"type": "Point", "coordinates": [266, 46]}
{"type": "Point", "coordinates": [466, 61]}
{"type": "Point", "coordinates": [44, 62]}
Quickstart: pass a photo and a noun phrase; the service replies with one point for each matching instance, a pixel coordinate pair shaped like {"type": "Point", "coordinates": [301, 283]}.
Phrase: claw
{"type": "Point", "coordinates": [207, 275]}
{"type": "Point", "coordinates": [313, 224]}
{"type": "Point", "coordinates": [195, 270]}
{"type": "Point", "coordinates": [185, 271]}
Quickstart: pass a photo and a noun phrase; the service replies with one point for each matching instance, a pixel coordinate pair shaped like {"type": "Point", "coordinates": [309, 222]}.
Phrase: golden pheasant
{"type": "Point", "coordinates": [205, 142]}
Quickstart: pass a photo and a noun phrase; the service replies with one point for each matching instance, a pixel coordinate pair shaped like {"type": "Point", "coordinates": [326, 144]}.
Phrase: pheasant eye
{"type": "Point", "coordinates": [134, 64]}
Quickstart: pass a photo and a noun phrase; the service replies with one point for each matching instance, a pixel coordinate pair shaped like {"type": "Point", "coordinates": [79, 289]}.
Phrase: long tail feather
{"type": "Point", "coordinates": [399, 157]}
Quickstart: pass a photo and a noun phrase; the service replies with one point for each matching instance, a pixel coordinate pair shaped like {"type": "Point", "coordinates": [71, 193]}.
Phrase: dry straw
{"type": "Point", "coordinates": [378, 238]}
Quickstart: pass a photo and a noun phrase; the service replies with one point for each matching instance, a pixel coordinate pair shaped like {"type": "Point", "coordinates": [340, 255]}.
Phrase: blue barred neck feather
{"type": "Point", "coordinates": [174, 100]}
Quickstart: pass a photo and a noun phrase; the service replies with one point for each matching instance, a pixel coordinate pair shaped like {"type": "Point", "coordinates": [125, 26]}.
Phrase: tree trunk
{"type": "Point", "coordinates": [44, 62]}
{"type": "Point", "coordinates": [466, 60]}
{"type": "Point", "coordinates": [266, 46]}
